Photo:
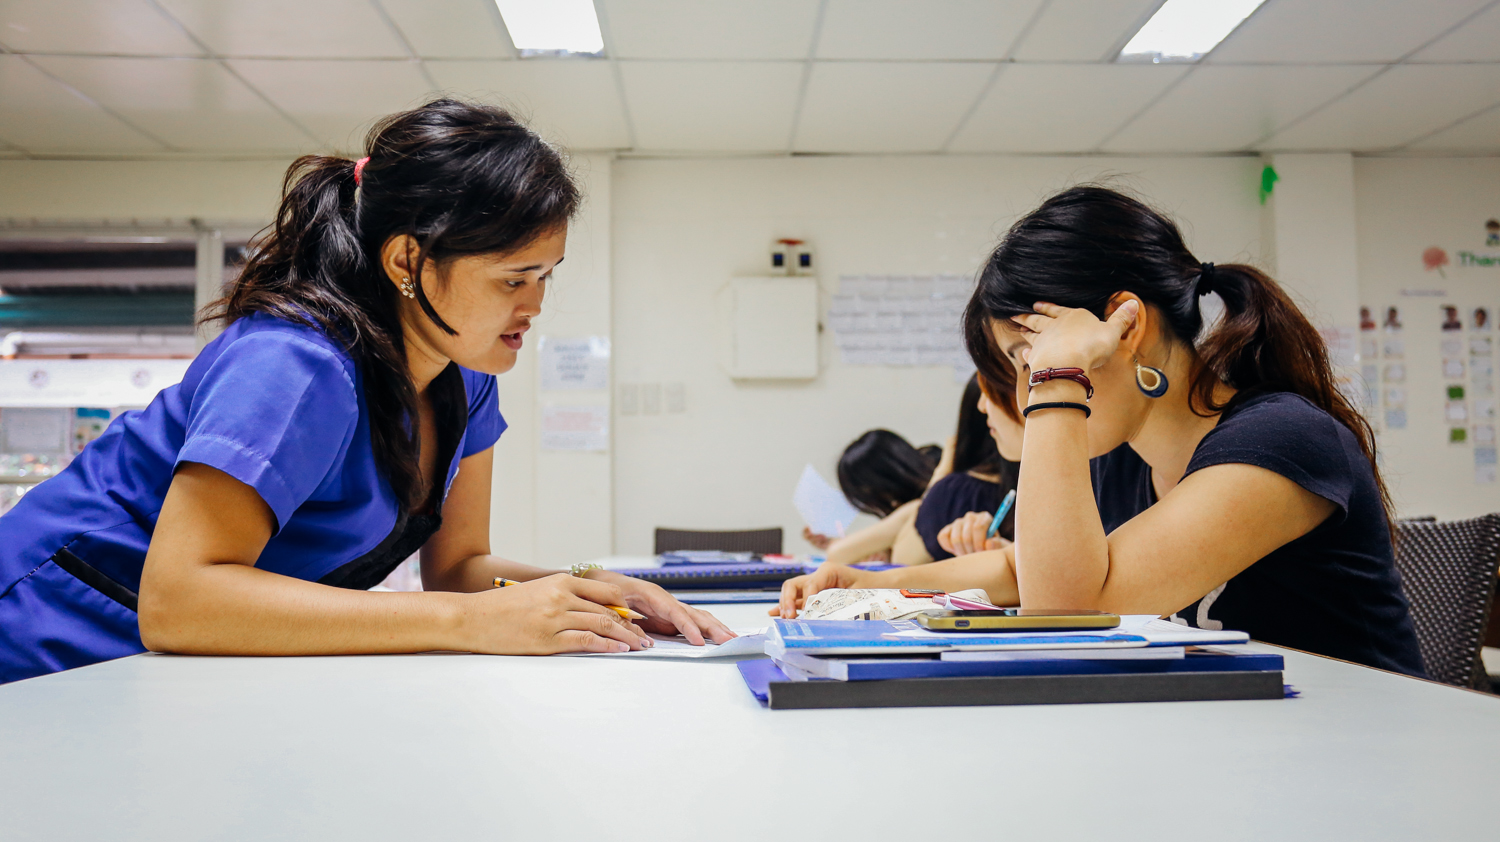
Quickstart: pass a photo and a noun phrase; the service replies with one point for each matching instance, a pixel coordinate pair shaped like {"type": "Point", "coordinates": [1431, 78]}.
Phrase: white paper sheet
{"type": "Point", "coordinates": [749, 642]}
{"type": "Point", "coordinates": [584, 428]}
{"type": "Point", "coordinates": [581, 363]}
{"type": "Point", "coordinates": [821, 505]}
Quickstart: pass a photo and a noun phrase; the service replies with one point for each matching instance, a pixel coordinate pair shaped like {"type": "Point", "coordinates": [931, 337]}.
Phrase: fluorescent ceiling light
{"type": "Point", "coordinates": [552, 27]}
{"type": "Point", "coordinates": [1186, 30]}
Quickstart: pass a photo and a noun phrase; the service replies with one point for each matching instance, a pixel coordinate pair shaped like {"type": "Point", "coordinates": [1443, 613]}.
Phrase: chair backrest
{"type": "Point", "coordinates": [763, 541]}
{"type": "Point", "coordinates": [1448, 572]}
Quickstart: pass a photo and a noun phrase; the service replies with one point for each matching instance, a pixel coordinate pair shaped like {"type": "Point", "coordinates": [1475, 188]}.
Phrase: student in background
{"type": "Point", "coordinates": [1231, 485]}
{"type": "Point", "coordinates": [984, 470]}
{"type": "Point", "coordinates": [883, 475]}
{"type": "Point", "coordinates": [343, 420]}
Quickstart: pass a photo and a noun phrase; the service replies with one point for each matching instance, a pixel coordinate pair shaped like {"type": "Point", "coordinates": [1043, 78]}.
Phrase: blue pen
{"type": "Point", "coordinates": [1000, 513]}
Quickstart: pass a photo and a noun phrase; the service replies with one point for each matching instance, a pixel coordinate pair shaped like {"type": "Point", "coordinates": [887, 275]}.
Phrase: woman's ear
{"type": "Point", "coordinates": [397, 256]}
{"type": "Point", "coordinates": [1145, 320]}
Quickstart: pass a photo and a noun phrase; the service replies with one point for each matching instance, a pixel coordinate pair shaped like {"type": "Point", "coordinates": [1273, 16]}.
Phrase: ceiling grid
{"type": "Point", "coordinates": [270, 78]}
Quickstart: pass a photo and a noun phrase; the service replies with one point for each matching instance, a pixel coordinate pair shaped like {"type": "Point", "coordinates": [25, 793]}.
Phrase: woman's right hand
{"type": "Point", "coordinates": [558, 613]}
{"type": "Point", "coordinates": [970, 534]}
{"type": "Point", "coordinates": [818, 540]}
{"type": "Point", "coordinates": [796, 591]}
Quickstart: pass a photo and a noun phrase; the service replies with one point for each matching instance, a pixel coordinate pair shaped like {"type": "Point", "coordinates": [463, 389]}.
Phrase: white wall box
{"type": "Point", "coordinates": [773, 328]}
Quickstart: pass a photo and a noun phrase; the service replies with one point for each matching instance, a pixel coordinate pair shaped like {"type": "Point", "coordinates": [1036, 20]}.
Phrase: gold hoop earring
{"type": "Point", "coordinates": [407, 289]}
{"type": "Point", "coordinates": [1151, 381]}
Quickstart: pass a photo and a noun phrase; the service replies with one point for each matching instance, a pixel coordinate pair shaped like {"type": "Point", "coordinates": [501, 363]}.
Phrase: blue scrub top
{"type": "Point", "coordinates": [276, 405]}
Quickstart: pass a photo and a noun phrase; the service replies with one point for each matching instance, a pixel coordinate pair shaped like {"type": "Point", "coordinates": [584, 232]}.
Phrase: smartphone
{"type": "Point", "coordinates": [1017, 619]}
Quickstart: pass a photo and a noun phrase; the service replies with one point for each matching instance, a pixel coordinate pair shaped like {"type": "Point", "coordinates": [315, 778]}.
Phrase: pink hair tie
{"type": "Point", "coordinates": [359, 169]}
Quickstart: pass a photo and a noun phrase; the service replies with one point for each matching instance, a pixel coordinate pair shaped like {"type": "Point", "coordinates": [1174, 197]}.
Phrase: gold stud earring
{"type": "Point", "coordinates": [407, 289]}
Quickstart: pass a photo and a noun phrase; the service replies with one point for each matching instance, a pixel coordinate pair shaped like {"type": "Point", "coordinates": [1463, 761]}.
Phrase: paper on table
{"type": "Point", "coordinates": [749, 642]}
{"type": "Point", "coordinates": [821, 505]}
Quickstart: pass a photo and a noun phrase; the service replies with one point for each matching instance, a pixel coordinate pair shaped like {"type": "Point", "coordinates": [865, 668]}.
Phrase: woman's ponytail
{"type": "Point", "coordinates": [1264, 343]}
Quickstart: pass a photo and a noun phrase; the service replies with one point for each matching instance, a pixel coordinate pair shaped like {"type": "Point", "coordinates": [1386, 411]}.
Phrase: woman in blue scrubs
{"type": "Point", "coordinates": [343, 420]}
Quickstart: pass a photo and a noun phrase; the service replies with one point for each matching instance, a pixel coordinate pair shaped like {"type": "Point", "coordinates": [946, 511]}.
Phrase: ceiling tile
{"type": "Point", "coordinates": [193, 104]}
{"type": "Point", "coordinates": [572, 102]}
{"type": "Point", "coordinates": [1083, 30]}
{"type": "Point", "coordinates": [709, 29]}
{"type": "Point", "coordinates": [1404, 103]}
{"type": "Point", "coordinates": [712, 106]}
{"type": "Point", "coordinates": [1222, 109]}
{"type": "Point", "coordinates": [453, 29]}
{"type": "Point", "coordinates": [123, 27]}
{"type": "Point", "coordinates": [289, 28]}
{"type": "Point", "coordinates": [1476, 134]}
{"type": "Point", "coordinates": [1477, 40]}
{"type": "Point", "coordinates": [39, 114]}
{"type": "Point", "coordinates": [886, 107]}
{"type": "Point", "coordinates": [1288, 32]}
{"type": "Point", "coordinates": [1061, 107]}
{"type": "Point", "coordinates": [337, 100]}
{"type": "Point", "coordinates": [922, 29]}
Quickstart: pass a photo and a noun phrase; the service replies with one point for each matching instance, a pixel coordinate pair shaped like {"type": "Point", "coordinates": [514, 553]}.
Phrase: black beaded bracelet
{"type": "Point", "coordinates": [1057, 405]}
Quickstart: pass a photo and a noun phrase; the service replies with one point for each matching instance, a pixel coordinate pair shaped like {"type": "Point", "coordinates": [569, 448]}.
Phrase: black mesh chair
{"type": "Point", "coordinates": [1448, 573]}
{"type": "Point", "coordinates": [763, 541]}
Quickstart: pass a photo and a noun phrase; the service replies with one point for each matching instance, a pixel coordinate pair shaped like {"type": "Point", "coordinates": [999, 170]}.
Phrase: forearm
{"type": "Point", "coordinates": [991, 571]}
{"type": "Point", "coordinates": [873, 539]}
{"type": "Point", "coordinates": [1062, 552]}
{"type": "Point", "coordinates": [236, 609]}
{"type": "Point", "coordinates": [477, 573]}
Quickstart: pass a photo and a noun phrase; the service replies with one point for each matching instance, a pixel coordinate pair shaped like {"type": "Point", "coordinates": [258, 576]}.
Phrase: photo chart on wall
{"type": "Point", "coordinates": [1392, 369]}
{"type": "Point", "coordinates": [1481, 393]}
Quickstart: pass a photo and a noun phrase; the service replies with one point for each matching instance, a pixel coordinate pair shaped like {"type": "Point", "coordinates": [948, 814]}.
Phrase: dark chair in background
{"type": "Point", "coordinates": [1448, 572]}
{"type": "Point", "coordinates": [763, 541]}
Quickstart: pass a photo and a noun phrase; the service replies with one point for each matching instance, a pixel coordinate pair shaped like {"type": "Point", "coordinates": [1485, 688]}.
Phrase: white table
{"type": "Point", "coordinates": [468, 747]}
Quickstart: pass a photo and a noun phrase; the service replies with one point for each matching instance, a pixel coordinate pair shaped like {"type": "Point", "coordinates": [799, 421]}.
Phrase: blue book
{"type": "Point", "coordinates": [852, 637]}
{"type": "Point", "coordinates": [880, 668]}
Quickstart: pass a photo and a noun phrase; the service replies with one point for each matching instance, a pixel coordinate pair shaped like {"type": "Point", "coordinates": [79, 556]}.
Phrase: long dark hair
{"type": "Point", "coordinates": [973, 447]}
{"type": "Point", "coordinates": [460, 179]}
{"type": "Point", "coordinates": [1087, 243]}
{"type": "Point", "coordinates": [880, 471]}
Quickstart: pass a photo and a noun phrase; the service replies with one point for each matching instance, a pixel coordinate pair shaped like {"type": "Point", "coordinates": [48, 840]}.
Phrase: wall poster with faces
{"type": "Point", "coordinates": [1383, 364]}
{"type": "Point", "coordinates": [1481, 392]}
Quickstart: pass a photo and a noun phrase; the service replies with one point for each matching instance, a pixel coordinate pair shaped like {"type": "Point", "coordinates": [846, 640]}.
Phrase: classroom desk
{"type": "Point", "coordinates": [466, 747]}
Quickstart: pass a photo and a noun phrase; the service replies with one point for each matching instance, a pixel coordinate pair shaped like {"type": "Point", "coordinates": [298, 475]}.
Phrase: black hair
{"type": "Point", "coordinates": [1087, 243]}
{"type": "Point", "coordinates": [880, 471]}
{"type": "Point", "coordinates": [974, 448]}
{"type": "Point", "coordinates": [460, 179]}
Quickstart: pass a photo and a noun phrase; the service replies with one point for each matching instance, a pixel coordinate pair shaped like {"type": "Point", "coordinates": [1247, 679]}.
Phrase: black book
{"type": "Point", "coordinates": [1012, 689]}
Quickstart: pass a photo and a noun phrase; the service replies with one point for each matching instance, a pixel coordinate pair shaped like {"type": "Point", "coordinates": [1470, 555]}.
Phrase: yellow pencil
{"type": "Point", "coordinates": [624, 612]}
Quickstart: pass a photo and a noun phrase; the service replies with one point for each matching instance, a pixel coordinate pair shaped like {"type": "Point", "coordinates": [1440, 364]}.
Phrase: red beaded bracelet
{"type": "Point", "coordinates": [1074, 374]}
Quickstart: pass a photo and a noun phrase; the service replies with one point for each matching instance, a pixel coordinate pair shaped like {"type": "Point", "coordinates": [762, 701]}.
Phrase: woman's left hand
{"type": "Point", "coordinates": [665, 614]}
{"type": "Point", "coordinates": [1064, 337]}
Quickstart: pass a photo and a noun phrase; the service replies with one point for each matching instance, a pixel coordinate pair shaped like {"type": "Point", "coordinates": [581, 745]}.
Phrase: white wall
{"type": "Point", "coordinates": [1403, 206]}
{"type": "Point", "coordinates": [659, 238]}
{"type": "Point", "coordinates": [553, 508]}
{"type": "Point", "coordinates": [683, 228]}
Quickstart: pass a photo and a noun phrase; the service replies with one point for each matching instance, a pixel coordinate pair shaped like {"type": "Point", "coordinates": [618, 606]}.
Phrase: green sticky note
{"type": "Point", "coordinates": [1458, 435]}
{"type": "Point", "coordinates": [1455, 393]}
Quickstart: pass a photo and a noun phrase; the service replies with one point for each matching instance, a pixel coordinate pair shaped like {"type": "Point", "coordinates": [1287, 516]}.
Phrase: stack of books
{"type": "Point", "coordinates": [873, 663]}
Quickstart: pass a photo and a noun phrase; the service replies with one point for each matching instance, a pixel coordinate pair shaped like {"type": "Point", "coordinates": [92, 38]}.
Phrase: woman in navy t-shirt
{"type": "Point", "coordinates": [1213, 473]}
{"type": "Point", "coordinates": [342, 421]}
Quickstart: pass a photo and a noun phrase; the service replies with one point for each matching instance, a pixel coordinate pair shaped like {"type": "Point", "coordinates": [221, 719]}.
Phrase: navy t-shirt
{"type": "Point", "coordinates": [949, 499]}
{"type": "Point", "coordinates": [1334, 591]}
